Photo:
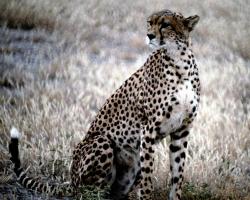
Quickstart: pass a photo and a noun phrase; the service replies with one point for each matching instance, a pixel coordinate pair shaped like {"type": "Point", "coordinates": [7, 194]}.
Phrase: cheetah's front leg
{"type": "Point", "coordinates": [147, 163]}
{"type": "Point", "coordinates": [177, 161]}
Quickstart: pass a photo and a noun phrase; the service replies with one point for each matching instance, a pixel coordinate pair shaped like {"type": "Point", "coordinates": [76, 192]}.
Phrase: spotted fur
{"type": "Point", "coordinates": [159, 100]}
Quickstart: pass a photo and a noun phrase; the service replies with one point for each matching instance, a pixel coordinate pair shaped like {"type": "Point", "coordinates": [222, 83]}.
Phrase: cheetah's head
{"type": "Point", "coordinates": [166, 27]}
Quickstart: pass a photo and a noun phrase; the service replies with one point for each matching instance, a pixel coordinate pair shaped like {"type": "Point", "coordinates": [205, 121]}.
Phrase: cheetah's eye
{"type": "Point", "coordinates": [165, 25]}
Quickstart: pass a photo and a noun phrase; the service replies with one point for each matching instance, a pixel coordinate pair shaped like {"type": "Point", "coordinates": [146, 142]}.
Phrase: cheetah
{"type": "Point", "coordinates": [160, 99]}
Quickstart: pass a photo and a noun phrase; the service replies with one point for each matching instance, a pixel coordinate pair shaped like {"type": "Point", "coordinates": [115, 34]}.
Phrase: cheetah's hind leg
{"type": "Point", "coordinates": [127, 169]}
{"type": "Point", "coordinates": [93, 163]}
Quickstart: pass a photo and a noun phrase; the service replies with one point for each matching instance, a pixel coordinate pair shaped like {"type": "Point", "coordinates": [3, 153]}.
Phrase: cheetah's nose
{"type": "Point", "coordinates": [151, 36]}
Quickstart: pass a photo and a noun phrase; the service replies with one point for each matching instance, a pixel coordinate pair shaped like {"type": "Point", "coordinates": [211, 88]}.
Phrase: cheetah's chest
{"type": "Point", "coordinates": [184, 104]}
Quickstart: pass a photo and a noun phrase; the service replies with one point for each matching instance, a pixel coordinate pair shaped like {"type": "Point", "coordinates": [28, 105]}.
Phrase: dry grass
{"type": "Point", "coordinates": [56, 75]}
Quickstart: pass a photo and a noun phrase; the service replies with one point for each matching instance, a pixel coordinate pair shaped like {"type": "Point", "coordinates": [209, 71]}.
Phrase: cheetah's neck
{"type": "Point", "coordinates": [175, 50]}
{"type": "Point", "coordinates": [181, 56]}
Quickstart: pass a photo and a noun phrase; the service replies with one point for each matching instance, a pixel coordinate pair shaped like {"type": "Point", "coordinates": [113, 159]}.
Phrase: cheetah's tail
{"type": "Point", "coordinates": [31, 183]}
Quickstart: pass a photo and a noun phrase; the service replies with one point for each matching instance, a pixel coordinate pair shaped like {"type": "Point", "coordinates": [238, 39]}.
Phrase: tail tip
{"type": "Point", "coordinates": [14, 133]}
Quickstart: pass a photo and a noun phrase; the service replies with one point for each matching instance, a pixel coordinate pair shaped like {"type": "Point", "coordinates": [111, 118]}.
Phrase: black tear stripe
{"type": "Point", "coordinates": [174, 148]}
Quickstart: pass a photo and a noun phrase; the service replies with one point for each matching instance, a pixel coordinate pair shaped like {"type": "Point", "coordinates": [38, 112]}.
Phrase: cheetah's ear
{"type": "Point", "coordinates": [191, 21]}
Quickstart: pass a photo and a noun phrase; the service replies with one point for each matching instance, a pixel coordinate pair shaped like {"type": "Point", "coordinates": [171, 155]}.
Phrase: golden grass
{"type": "Point", "coordinates": [52, 95]}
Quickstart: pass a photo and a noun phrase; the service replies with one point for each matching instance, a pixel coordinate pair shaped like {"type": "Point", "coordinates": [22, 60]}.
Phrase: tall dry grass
{"type": "Point", "coordinates": [61, 59]}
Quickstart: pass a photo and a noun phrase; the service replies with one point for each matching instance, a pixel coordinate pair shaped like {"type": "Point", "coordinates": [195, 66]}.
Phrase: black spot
{"type": "Point", "coordinates": [147, 191]}
{"type": "Point", "coordinates": [103, 158]}
{"type": "Point", "coordinates": [110, 155]}
{"type": "Point", "coordinates": [147, 170]}
{"type": "Point", "coordinates": [177, 159]}
{"type": "Point", "coordinates": [97, 153]}
{"type": "Point", "coordinates": [87, 161]}
{"type": "Point", "coordinates": [176, 179]}
{"type": "Point", "coordinates": [158, 129]}
{"type": "Point", "coordinates": [151, 130]}
{"type": "Point", "coordinates": [168, 115]}
{"type": "Point", "coordinates": [167, 58]}
{"type": "Point", "coordinates": [194, 109]}
{"type": "Point", "coordinates": [182, 135]}
{"type": "Point", "coordinates": [157, 123]}
{"type": "Point", "coordinates": [117, 133]}
{"type": "Point", "coordinates": [174, 148]}
{"type": "Point", "coordinates": [173, 99]}
{"type": "Point", "coordinates": [185, 144]}
{"type": "Point", "coordinates": [150, 150]}
{"type": "Point", "coordinates": [105, 146]}
{"type": "Point", "coordinates": [120, 140]}
{"type": "Point", "coordinates": [147, 157]}
{"type": "Point", "coordinates": [178, 75]}
{"type": "Point", "coordinates": [100, 140]}
{"type": "Point", "coordinates": [183, 155]}
{"type": "Point", "coordinates": [180, 169]}
{"type": "Point", "coordinates": [149, 140]}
